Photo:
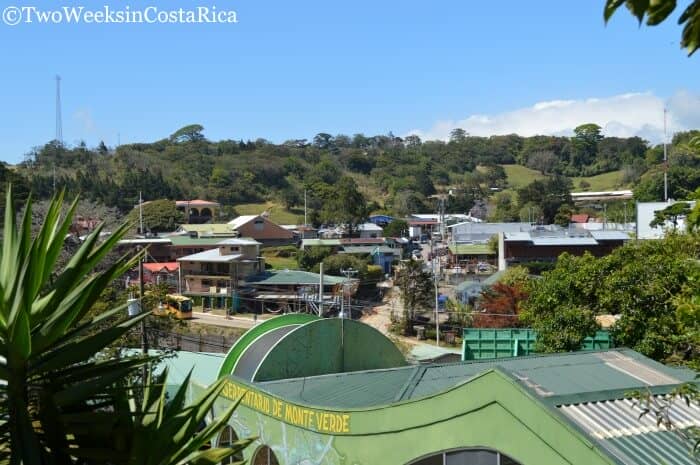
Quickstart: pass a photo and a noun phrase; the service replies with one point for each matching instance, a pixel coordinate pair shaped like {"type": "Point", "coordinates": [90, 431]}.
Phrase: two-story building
{"type": "Point", "coordinates": [212, 276]}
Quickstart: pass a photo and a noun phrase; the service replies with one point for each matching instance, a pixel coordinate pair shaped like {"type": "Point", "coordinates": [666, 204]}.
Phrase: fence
{"type": "Point", "coordinates": [189, 342]}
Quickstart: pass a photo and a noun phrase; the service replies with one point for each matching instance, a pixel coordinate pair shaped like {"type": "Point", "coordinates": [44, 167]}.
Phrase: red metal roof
{"type": "Point", "coordinates": [580, 218]}
{"type": "Point", "coordinates": [167, 267]}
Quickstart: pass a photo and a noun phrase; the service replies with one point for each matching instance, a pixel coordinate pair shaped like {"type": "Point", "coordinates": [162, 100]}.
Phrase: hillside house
{"type": "Point", "coordinates": [214, 275]}
{"type": "Point", "coordinates": [369, 230]}
{"type": "Point", "coordinates": [198, 211]}
{"type": "Point", "coordinates": [262, 230]}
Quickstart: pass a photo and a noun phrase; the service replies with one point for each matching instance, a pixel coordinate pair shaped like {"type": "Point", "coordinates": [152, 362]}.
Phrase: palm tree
{"type": "Point", "coordinates": [61, 400]}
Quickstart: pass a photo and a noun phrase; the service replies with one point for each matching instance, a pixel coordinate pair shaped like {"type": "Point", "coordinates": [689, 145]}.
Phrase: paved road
{"type": "Point", "coordinates": [219, 320]}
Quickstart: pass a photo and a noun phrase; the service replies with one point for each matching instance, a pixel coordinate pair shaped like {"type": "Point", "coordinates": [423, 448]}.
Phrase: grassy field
{"type": "Point", "coordinates": [520, 176]}
{"type": "Point", "coordinates": [281, 258]}
{"type": "Point", "coordinates": [278, 214]}
{"type": "Point", "coordinates": [282, 263]}
{"type": "Point", "coordinates": [602, 182]}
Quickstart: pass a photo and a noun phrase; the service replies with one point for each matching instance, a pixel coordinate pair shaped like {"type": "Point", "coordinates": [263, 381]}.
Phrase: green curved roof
{"type": "Point", "coordinates": [325, 346]}
{"type": "Point", "coordinates": [298, 345]}
{"type": "Point", "coordinates": [240, 346]}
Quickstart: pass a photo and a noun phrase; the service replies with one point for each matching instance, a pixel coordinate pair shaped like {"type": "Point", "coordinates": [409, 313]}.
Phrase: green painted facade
{"type": "Point", "coordinates": [490, 411]}
{"type": "Point", "coordinates": [337, 392]}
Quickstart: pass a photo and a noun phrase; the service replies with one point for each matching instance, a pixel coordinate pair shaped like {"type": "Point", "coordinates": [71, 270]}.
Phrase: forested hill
{"type": "Point", "coordinates": [397, 175]}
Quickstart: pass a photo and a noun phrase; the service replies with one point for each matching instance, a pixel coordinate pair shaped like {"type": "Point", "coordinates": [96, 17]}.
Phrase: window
{"type": "Point", "coordinates": [264, 456]}
{"type": "Point", "coordinates": [228, 437]}
{"type": "Point", "coordinates": [466, 457]}
{"type": "Point", "coordinates": [259, 224]}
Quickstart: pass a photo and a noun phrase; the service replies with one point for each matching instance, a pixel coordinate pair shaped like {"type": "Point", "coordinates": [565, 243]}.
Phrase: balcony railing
{"type": "Point", "coordinates": [225, 274]}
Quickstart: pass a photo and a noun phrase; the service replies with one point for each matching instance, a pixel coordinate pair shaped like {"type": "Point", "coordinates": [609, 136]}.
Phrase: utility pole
{"type": "Point", "coordinates": [305, 217]}
{"type": "Point", "coordinates": [140, 214]}
{"type": "Point", "coordinates": [144, 337]}
{"type": "Point", "coordinates": [436, 273]}
{"type": "Point", "coordinates": [665, 159]}
{"type": "Point", "coordinates": [59, 118]}
{"type": "Point", "coordinates": [320, 290]}
{"type": "Point", "coordinates": [349, 273]}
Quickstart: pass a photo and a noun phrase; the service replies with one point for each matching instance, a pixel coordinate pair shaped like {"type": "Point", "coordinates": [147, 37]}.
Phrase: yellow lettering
{"type": "Point", "coordinates": [325, 422]}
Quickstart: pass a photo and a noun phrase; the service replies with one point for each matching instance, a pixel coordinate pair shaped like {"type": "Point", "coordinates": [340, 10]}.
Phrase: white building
{"type": "Point", "coordinates": [645, 215]}
{"type": "Point", "coordinates": [369, 230]}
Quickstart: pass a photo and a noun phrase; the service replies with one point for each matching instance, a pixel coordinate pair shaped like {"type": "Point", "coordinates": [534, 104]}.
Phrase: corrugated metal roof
{"type": "Point", "coordinates": [618, 427]}
{"type": "Point", "coordinates": [208, 228]}
{"type": "Point", "coordinates": [370, 249]}
{"type": "Point", "coordinates": [610, 235]}
{"type": "Point", "coordinates": [241, 220]}
{"type": "Point", "coordinates": [347, 390]}
{"type": "Point", "coordinates": [554, 377]}
{"type": "Point", "coordinates": [210, 256]}
{"type": "Point", "coordinates": [471, 249]}
{"type": "Point", "coordinates": [293, 277]}
{"type": "Point", "coordinates": [319, 242]}
{"type": "Point", "coordinates": [239, 241]}
{"type": "Point", "coordinates": [564, 241]}
{"type": "Point", "coordinates": [186, 240]}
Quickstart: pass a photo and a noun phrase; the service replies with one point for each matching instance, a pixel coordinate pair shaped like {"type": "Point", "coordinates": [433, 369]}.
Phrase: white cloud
{"type": "Point", "coordinates": [625, 115]}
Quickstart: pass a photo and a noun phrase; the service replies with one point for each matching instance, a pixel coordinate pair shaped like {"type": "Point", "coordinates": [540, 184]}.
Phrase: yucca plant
{"type": "Point", "coordinates": [159, 427]}
{"type": "Point", "coordinates": [61, 400]}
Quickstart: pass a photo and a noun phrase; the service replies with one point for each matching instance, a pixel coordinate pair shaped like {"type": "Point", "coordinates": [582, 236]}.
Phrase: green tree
{"type": "Point", "coordinates": [310, 257]}
{"type": "Point", "coordinates": [563, 216]}
{"type": "Point", "coordinates": [657, 11]}
{"type": "Point", "coordinates": [397, 228]}
{"type": "Point", "coordinates": [651, 285]}
{"type": "Point", "coordinates": [586, 139]}
{"type": "Point", "coordinates": [458, 135]}
{"type": "Point", "coordinates": [344, 204]}
{"type": "Point", "coordinates": [543, 161]}
{"type": "Point", "coordinates": [158, 216]}
{"type": "Point", "coordinates": [559, 305]}
{"type": "Point", "coordinates": [189, 133]}
{"type": "Point", "coordinates": [336, 264]}
{"type": "Point", "coordinates": [62, 400]}
{"type": "Point", "coordinates": [416, 286]}
{"type": "Point", "coordinates": [549, 194]}
{"type": "Point", "coordinates": [671, 213]}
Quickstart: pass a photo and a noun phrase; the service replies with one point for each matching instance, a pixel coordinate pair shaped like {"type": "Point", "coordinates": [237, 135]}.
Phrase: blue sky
{"type": "Point", "coordinates": [291, 69]}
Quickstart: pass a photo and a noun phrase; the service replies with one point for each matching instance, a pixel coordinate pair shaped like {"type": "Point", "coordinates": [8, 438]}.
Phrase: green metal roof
{"type": "Point", "coordinates": [369, 249]}
{"type": "Point", "coordinates": [556, 378]}
{"type": "Point", "coordinates": [237, 349]}
{"type": "Point", "coordinates": [185, 240]}
{"type": "Point", "coordinates": [212, 228]}
{"type": "Point", "coordinates": [471, 249]}
{"type": "Point", "coordinates": [293, 278]}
